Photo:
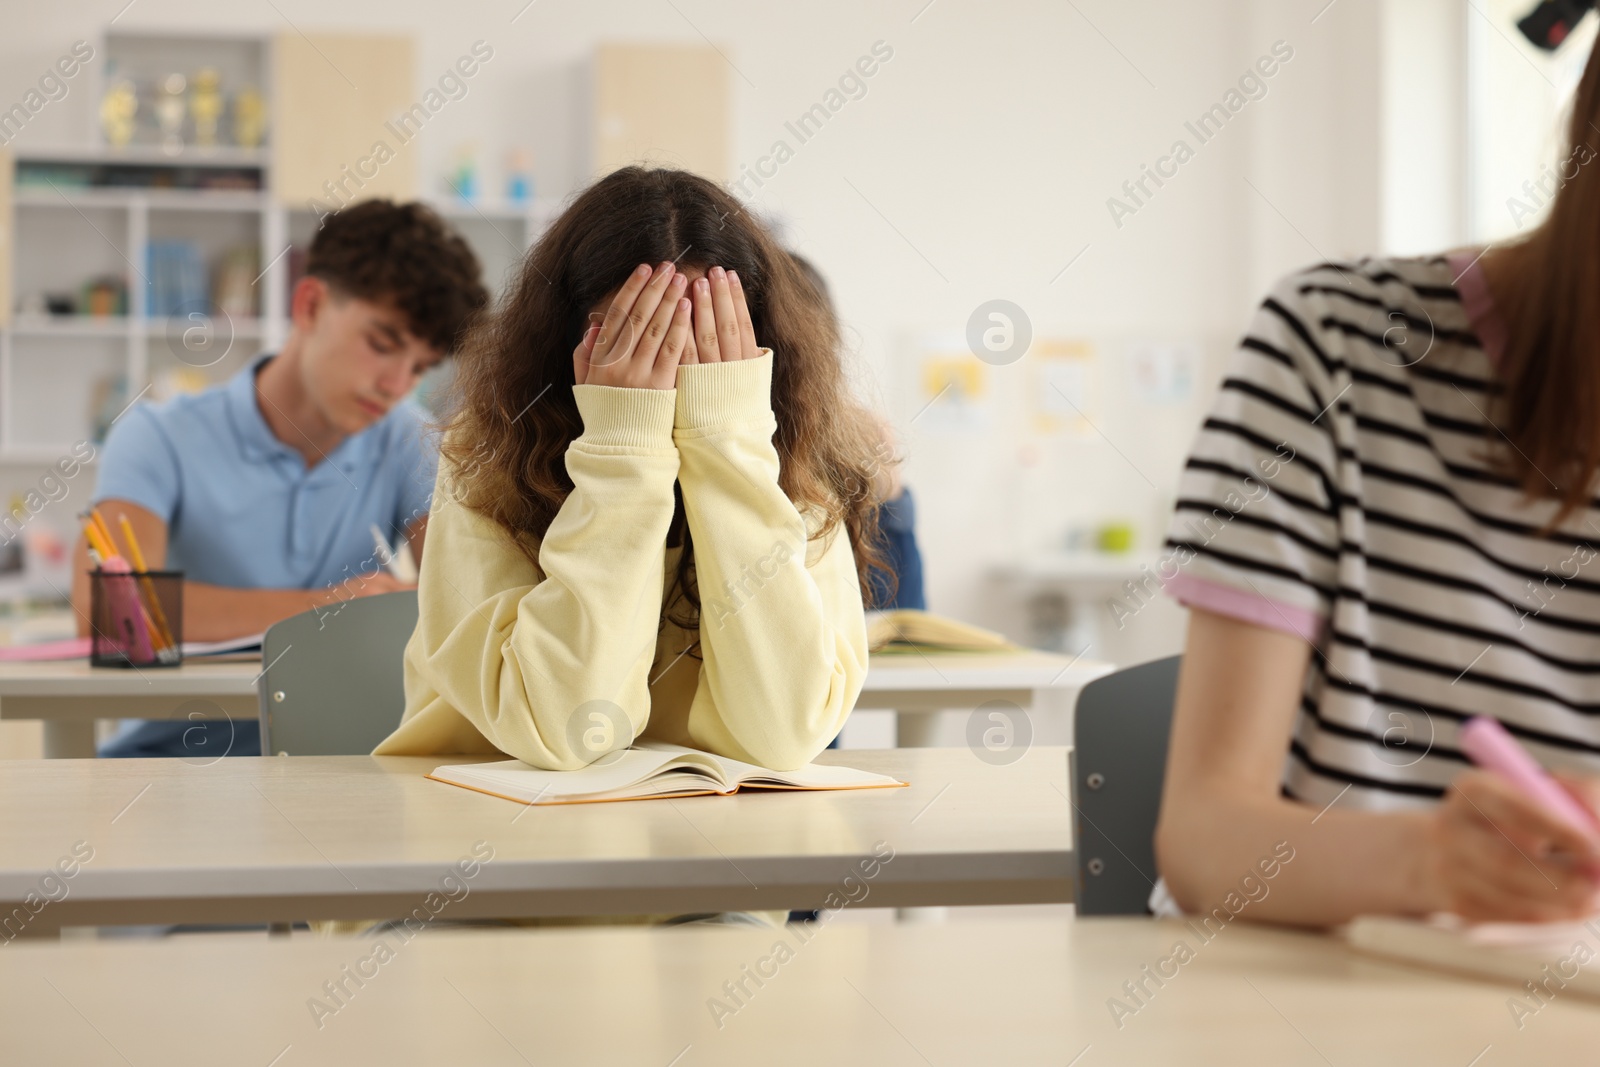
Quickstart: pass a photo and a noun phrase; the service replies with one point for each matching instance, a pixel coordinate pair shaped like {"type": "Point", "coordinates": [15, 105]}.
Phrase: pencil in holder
{"type": "Point", "coordinates": [135, 617]}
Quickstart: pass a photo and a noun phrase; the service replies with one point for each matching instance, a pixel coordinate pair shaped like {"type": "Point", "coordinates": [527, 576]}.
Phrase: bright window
{"type": "Point", "coordinates": [1517, 101]}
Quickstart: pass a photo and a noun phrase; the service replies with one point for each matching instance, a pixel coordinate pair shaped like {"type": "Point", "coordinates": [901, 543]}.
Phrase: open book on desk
{"type": "Point", "coordinates": [908, 630]}
{"type": "Point", "coordinates": [650, 769]}
{"type": "Point", "coordinates": [1515, 952]}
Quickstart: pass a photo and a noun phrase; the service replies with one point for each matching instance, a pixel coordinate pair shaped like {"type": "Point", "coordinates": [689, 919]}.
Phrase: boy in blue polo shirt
{"type": "Point", "coordinates": [264, 490]}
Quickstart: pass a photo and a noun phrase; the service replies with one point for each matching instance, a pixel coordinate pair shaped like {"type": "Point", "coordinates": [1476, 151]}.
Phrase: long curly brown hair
{"type": "Point", "coordinates": [512, 414]}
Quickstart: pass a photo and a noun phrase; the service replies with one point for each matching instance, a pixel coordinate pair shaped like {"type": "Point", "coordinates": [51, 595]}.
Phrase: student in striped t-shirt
{"type": "Point", "coordinates": [1388, 524]}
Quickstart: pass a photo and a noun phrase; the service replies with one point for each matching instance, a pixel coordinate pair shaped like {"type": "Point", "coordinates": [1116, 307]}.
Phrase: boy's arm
{"type": "Point", "coordinates": [212, 612]}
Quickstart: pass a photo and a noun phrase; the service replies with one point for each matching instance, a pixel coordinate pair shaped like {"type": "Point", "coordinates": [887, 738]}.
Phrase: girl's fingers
{"type": "Point", "coordinates": [1487, 884]}
{"type": "Point", "coordinates": [655, 330]}
{"type": "Point", "coordinates": [741, 312]}
{"type": "Point", "coordinates": [644, 308]}
{"type": "Point", "coordinates": [581, 354]}
{"type": "Point", "coordinates": [1512, 874]}
{"type": "Point", "coordinates": [1498, 855]}
{"type": "Point", "coordinates": [690, 352]}
{"type": "Point", "coordinates": [728, 346]}
{"type": "Point", "coordinates": [705, 324]}
{"type": "Point", "coordinates": [674, 345]}
{"type": "Point", "coordinates": [1527, 823]}
{"type": "Point", "coordinates": [1584, 789]}
{"type": "Point", "coordinates": [615, 340]}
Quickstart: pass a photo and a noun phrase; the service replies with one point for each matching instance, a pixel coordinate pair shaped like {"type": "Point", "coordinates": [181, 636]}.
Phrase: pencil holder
{"type": "Point", "coordinates": [135, 618]}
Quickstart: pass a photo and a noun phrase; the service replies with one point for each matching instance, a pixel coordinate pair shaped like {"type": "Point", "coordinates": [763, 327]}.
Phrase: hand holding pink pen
{"type": "Point", "coordinates": [1491, 747]}
{"type": "Point", "coordinates": [1513, 843]}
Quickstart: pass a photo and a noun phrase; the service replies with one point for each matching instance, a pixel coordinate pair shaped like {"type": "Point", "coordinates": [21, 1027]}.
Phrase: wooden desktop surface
{"type": "Point", "coordinates": [906, 671]}
{"type": "Point", "coordinates": [1028, 991]}
{"type": "Point", "coordinates": [70, 696]}
{"type": "Point", "coordinates": [359, 837]}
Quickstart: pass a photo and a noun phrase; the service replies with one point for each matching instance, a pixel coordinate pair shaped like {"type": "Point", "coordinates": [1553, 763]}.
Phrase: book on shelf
{"type": "Point", "coordinates": [178, 282]}
{"type": "Point", "coordinates": [908, 630]}
{"type": "Point", "coordinates": [648, 770]}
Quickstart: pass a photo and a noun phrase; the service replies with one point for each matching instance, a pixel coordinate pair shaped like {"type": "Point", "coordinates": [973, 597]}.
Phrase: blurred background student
{"type": "Point", "coordinates": [264, 490]}
{"type": "Point", "coordinates": [901, 585]}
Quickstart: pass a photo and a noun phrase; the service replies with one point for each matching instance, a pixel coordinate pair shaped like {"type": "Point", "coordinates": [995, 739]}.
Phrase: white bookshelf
{"type": "Point", "coordinates": [63, 235]}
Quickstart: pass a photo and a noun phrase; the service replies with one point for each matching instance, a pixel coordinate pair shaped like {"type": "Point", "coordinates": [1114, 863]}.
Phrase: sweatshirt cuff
{"type": "Point", "coordinates": [614, 416]}
{"type": "Point", "coordinates": [713, 394]}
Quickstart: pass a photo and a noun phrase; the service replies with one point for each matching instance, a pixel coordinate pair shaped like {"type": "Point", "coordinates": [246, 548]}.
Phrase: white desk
{"type": "Point", "coordinates": [70, 696]}
{"type": "Point", "coordinates": [357, 837]}
{"type": "Point", "coordinates": [1066, 591]}
{"type": "Point", "coordinates": [914, 685]}
{"type": "Point", "coordinates": [1018, 992]}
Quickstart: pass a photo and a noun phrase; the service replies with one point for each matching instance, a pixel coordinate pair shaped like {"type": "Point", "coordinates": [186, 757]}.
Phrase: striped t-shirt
{"type": "Point", "coordinates": [1341, 489]}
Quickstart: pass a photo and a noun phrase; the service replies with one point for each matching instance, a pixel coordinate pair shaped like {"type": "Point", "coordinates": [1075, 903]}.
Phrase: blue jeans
{"type": "Point", "coordinates": [197, 740]}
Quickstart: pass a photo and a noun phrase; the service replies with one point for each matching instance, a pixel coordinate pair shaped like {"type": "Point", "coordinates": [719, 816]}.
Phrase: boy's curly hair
{"type": "Point", "coordinates": [405, 256]}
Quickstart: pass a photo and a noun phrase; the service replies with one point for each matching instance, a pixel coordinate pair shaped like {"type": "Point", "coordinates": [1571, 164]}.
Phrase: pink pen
{"type": "Point", "coordinates": [1488, 744]}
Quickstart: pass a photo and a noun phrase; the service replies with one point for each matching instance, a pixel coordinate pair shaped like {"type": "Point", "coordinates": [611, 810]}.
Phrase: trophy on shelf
{"type": "Point", "coordinates": [117, 111]}
{"type": "Point", "coordinates": [249, 117]}
{"type": "Point", "coordinates": [205, 104]}
{"type": "Point", "coordinates": [170, 110]}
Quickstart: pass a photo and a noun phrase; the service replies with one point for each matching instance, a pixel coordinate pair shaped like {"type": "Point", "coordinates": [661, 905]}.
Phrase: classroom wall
{"type": "Point", "coordinates": [977, 166]}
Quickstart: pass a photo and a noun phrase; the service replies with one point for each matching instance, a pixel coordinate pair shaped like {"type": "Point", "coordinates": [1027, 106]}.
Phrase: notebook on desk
{"type": "Point", "coordinates": [1555, 953]}
{"type": "Point", "coordinates": [238, 648]}
{"type": "Point", "coordinates": [649, 769]}
{"type": "Point", "coordinates": [233, 648]}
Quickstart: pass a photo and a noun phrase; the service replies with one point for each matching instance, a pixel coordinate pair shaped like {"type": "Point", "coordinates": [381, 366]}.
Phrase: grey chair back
{"type": "Point", "coordinates": [1118, 760]}
{"type": "Point", "coordinates": [333, 684]}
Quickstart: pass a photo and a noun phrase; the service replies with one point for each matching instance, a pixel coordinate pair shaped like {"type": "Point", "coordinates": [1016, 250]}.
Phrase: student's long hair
{"type": "Point", "coordinates": [513, 414]}
{"type": "Point", "coordinates": [1547, 286]}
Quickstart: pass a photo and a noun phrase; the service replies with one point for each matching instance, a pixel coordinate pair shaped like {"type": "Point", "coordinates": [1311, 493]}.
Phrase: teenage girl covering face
{"type": "Point", "coordinates": [654, 509]}
{"type": "Point", "coordinates": [1388, 525]}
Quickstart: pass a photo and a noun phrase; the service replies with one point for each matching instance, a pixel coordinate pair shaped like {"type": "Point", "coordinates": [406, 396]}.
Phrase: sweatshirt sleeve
{"type": "Point", "coordinates": [540, 658]}
{"type": "Point", "coordinates": [782, 634]}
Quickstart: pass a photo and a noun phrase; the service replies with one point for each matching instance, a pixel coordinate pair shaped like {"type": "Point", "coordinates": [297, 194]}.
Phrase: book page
{"type": "Point", "coordinates": [811, 776]}
{"type": "Point", "coordinates": [618, 773]}
{"type": "Point", "coordinates": [908, 626]}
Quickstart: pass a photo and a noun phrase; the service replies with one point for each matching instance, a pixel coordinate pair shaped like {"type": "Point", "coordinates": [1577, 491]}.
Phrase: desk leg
{"type": "Point", "coordinates": [914, 729]}
{"type": "Point", "coordinates": [69, 739]}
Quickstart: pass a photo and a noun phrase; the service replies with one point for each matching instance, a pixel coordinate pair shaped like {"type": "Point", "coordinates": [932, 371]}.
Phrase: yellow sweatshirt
{"type": "Point", "coordinates": [547, 663]}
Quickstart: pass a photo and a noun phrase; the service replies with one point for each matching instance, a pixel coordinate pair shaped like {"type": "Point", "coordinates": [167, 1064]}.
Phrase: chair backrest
{"type": "Point", "coordinates": [1118, 760]}
{"type": "Point", "coordinates": [333, 684]}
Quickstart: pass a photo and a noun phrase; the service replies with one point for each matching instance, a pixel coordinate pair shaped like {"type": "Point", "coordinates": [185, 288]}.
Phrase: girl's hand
{"type": "Point", "coordinates": [640, 341]}
{"type": "Point", "coordinates": [1501, 857]}
{"type": "Point", "coordinates": [723, 332]}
